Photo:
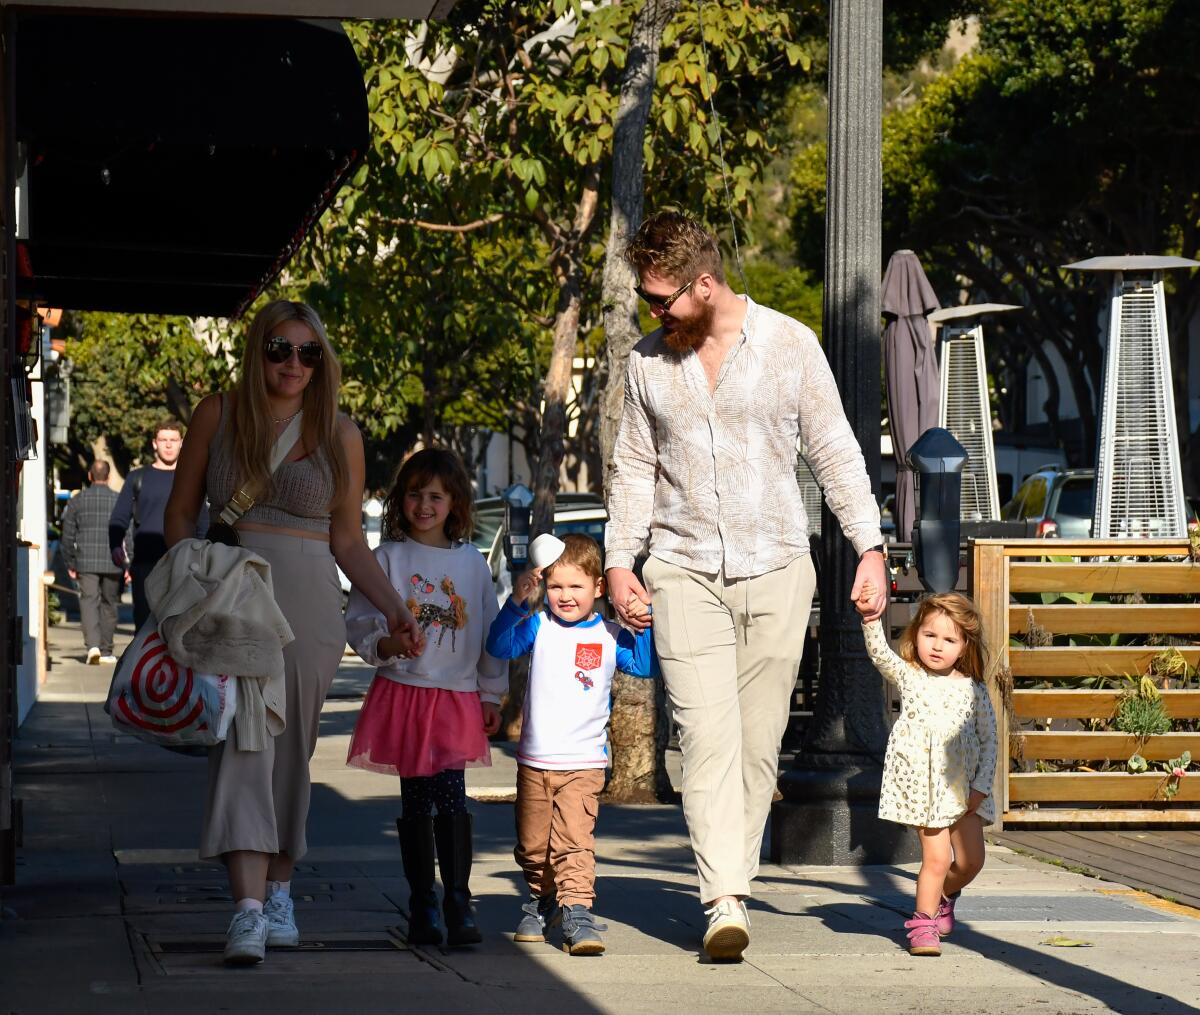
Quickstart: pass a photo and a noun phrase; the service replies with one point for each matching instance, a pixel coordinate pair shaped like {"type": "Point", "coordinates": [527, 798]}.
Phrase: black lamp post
{"type": "Point", "coordinates": [828, 814]}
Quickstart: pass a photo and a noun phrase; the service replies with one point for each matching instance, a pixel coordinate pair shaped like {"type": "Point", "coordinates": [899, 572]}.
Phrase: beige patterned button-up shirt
{"type": "Point", "coordinates": [709, 479]}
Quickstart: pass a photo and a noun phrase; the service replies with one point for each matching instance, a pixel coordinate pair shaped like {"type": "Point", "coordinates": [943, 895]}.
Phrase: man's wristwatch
{"type": "Point", "coordinates": [878, 548]}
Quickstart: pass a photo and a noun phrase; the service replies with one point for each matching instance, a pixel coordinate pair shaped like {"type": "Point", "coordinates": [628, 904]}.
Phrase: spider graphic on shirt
{"type": "Point", "coordinates": [429, 614]}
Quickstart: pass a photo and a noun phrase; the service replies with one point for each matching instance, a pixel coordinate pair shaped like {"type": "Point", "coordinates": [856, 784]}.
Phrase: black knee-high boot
{"type": "Point", "coordinates": [417, 851]}
{"type": "Point", "coordinates": [453, 835]}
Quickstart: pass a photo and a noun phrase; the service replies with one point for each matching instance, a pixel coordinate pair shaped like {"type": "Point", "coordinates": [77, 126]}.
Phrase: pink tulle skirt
{"type": "Point", "coordinates": [418, 731]}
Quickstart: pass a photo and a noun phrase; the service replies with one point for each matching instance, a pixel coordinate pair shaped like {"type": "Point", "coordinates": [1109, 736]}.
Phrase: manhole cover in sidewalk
{"type": "Point", "coordinates": [385, 941]}
{"type": "Point", "coordinates": [334, 954]}
{"type": "Point", "coordinates": [1076, 908]}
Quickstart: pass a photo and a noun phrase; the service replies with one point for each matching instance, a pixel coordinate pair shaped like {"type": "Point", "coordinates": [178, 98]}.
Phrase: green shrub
{"type": "Point", "coordinates": [1143, 717]}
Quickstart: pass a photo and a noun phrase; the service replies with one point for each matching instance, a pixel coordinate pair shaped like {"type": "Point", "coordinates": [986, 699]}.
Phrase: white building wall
{"type": "Point", "coordinates": [505, 462]}
{"type": "Point", "coordinates": [32, 561]}
{"type": "Point", "coordinates": [1038, 388]}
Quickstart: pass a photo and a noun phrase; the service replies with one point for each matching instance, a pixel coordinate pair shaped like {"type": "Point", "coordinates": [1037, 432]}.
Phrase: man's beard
{"type": "Point", "coordinates": [690, 332]}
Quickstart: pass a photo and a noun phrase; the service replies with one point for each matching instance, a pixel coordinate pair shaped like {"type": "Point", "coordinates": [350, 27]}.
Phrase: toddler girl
{"type": "Point", "coordinates": [430, 708]}
{"type": "Point", "coordinates": [941, 755]}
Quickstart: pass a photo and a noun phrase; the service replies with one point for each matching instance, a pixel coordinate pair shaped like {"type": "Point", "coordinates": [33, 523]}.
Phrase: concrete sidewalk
{"type": "Point", "coordinates": [113, 913]}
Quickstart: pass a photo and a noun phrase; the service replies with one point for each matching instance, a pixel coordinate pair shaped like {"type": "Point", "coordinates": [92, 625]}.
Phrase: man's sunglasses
{"type": "Point", "coordinates": [662, 302]}
{"type": "Point", "coordinates": [279, 350]}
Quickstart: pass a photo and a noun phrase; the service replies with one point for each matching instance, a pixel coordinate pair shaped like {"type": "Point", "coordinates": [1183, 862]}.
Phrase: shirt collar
{"type": "Point", "coordinates": [591, 621]}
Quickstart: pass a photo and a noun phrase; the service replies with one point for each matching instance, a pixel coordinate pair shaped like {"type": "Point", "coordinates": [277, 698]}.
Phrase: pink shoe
{"type": "Point", "coordinates": [945, 913]}
{"type": "Point", "coordinates": [923, 936]}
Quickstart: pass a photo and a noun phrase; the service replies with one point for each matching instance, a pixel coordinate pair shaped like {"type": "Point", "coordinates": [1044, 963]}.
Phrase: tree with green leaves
{"type": "Point", "coordinates": [129, 371]}
{"type": "Point", "coordinates": [474, 222]}
{"type": "Point", "coordinates": [1064, 135]}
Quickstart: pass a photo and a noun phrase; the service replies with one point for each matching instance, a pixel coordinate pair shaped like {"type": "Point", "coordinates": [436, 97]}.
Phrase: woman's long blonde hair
{"type": "Point", "coordinates": [966, 617]}
{"type": "Point", "coordinates": [253, 433]}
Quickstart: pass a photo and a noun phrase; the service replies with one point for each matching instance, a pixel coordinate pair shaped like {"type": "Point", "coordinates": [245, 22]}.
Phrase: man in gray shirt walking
{"type": "Point", "coordinates": [704, 477]}
{"type": "Point", "coordinates": [85, 552]}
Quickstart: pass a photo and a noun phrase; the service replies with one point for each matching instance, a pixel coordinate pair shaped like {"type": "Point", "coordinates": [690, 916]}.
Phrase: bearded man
{"type": "Point", "coordinates": [704, 477]}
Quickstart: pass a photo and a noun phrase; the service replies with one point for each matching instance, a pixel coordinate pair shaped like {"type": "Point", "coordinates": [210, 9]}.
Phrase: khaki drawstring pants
{"type": "Point", "coordinates": [730, 652]}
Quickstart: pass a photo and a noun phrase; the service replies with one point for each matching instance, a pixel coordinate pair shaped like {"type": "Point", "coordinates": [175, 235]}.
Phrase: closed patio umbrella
{"type": "Point", "coordinates": [910, 369]}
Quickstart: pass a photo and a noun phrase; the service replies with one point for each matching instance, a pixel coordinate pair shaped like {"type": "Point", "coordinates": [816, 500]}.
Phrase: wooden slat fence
{"type": "Point", "coordinates": [1010, 580]}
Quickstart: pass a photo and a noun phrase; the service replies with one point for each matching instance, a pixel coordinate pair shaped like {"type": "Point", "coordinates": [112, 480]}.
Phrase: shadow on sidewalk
{"type": "Point", "coordinates": [862, 919]}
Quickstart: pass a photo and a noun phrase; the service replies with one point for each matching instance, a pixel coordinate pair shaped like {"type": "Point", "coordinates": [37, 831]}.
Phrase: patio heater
{"type": "Point", "coordinates": [964, 408]}
{"type": "Point", "coordinates": [810, 491]}
{"type": "Point", "coordinates": [1139, 482]}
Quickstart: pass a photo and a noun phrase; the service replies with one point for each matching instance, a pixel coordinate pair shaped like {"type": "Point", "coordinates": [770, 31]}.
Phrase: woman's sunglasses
{"type": "Point", "coordinates": [279, 350]}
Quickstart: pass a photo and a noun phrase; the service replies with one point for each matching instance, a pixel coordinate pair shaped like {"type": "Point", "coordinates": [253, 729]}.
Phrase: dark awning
{"type": "Point", "coordinates": [175, 164]}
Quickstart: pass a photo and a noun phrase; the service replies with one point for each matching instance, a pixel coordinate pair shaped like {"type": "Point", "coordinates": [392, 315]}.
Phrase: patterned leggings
{"type": "Point", "coordinates": [447, 789]}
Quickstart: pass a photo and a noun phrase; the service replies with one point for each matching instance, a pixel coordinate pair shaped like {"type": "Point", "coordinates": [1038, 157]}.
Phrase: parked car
{"type": "Point", "coordinates": [372, 522]}
{"type": "Point", "coordinates": [1059, 501]}
{"type": "Point", "coordinates": [573, 512]}
{"type": "Point", "coordinates": [887, 517]}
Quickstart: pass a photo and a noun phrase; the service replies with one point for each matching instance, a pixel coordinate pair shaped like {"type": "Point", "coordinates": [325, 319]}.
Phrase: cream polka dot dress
{"type": "Point", "coordinates": [942, 746]}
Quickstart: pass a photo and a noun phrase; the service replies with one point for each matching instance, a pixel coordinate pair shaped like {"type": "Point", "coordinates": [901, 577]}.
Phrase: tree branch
{"type": "Point", "coordinates": [446, 227]}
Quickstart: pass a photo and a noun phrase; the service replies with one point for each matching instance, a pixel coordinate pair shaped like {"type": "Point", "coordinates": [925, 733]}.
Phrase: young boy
{"type": "Point", "coordinates": [564, 744]}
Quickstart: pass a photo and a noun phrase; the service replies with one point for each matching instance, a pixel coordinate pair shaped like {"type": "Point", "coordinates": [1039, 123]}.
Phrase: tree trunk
{"type": "Point", "coordinates": [621, 327]}
{"type": "Point", "coordinates": [558, 375]}
{"type": "Point", "coordinates": [638, 732]}
{"type": "Point", "coordinates": [512, 708]}
{"type": "Point", "coordinates": [638, 728]}
{"type": "Point", "coordinates": [569, 271]}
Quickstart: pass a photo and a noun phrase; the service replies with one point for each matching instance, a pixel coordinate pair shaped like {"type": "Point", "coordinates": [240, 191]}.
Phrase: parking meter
{"type": "Point", "coordinates": [518, 499]}
{"type": "Point", "coordinates": [938, 460]}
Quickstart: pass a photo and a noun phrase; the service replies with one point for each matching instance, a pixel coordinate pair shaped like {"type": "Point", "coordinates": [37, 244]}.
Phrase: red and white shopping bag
{"type": "Point", "coordinates": [162, 702]}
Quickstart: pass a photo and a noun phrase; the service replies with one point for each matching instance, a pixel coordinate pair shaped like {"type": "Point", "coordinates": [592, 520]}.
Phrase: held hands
{"type": "Point", "coordinates": [974, 800]}
{"type": "Point", "coordinates": [866, 596]}
{"type": "Point", "coordinates": [635, 607]}
{"type": "Point", "coordinates": [404, 637]}
{"type": "Point", "coordinates": [629, 598]}
{"type": "Point", "coordinates": [491, 717]}
{"type": "Point", "coordinates": [872, 572]}
{"type": "Point", "coordinates": [119, 558]}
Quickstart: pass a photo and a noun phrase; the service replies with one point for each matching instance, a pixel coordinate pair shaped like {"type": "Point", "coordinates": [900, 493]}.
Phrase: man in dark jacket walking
{"type": "Point", "coordinates": [85, 552]}
{"type": "Point", "coordinates": [140, 508]}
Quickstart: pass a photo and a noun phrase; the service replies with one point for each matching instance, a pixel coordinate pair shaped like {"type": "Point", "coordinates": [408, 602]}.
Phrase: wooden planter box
{"type": "Point", "coordinates": [1001, 569]}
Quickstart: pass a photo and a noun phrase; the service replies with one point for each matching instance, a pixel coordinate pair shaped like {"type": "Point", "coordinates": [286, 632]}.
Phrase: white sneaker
{"type": "Point", "coordinates": [246, 939]}
{"type": "Point", "coordinates": [93, 658]}
{"type": "Point", "coordinates": [281, 922]}
{"type": "Point", "coordinates": [108, 660]}
{"type": "Point", "coordinates": [728, 933]}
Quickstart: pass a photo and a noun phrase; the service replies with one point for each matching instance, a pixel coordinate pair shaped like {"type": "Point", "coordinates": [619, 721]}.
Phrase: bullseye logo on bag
{"type": "Point", "coordinates": [159, 697]}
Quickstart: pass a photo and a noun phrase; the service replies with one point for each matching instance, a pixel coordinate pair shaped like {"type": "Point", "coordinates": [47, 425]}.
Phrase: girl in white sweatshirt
{"type": "Point", "coordinates": [429, 710]}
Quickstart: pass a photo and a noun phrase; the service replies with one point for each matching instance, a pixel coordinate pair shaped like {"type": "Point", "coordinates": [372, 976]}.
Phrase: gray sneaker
{"type": "Point", "coordinates": [281, 922]}
{"type": "Point", "coordinates": [246, 939]}
{"type": "Point", "coordinates": [581, 932]}
{"type": "Point", "coordinates": [536, 914]}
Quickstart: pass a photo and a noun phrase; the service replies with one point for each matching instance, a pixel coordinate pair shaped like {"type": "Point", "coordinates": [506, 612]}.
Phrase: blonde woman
{"type": "Point", "coordinates": [306, 517]}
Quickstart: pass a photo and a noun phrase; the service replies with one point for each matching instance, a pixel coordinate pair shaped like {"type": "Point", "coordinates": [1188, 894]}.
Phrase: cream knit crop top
{"type": "Point", "coordinates": [300, 494]}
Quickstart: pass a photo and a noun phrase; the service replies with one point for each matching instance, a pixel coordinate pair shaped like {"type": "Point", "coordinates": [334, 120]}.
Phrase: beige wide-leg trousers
{"type": "Point", "coordinates": [730, 651]}
{"type": "Point", "coordinates": [258, 800]}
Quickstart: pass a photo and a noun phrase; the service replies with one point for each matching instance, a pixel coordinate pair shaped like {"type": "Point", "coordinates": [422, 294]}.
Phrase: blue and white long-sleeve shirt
{"type": "Point", "coordinates": [569, 697]}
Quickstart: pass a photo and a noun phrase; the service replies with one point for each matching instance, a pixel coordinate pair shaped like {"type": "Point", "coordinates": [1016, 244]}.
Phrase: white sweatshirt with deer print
{"type": "Point", "coordinates": [451, 594]}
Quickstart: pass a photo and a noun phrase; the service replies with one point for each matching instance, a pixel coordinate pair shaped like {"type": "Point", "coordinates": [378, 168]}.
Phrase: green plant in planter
{"type": "Point", "coordinates": [1176, 770]}
{"type": "Point", "coordinates": [1136, 764]}
{"type": "Point", "coordinates": [1141, 715]}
